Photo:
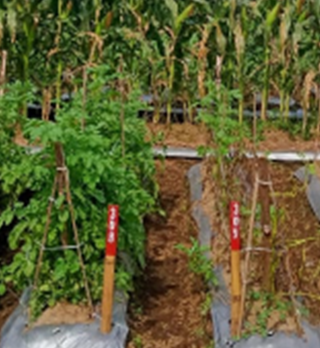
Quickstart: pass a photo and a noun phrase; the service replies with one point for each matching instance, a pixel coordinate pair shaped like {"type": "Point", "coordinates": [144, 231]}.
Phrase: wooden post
{"type": "Point", "coordinates": [248, 252]}
{"type": "Point", "coordinates": [109, 267]}
{"type": "Point", "coordinates": [235, 267]}
{"type": "Point", "coordinates": [3, 71]}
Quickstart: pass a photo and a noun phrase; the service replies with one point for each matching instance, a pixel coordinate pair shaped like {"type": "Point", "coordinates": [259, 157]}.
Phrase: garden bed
{"type": "Point", "coordinates": [168, 292]}
{"type": "Point", "coordinates": [283, 274]}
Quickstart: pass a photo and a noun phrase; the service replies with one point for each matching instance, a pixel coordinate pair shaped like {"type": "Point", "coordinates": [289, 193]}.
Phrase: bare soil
{"type": "Point", "coordinates": [65, 313]}
{"type": "Point", "coordinates": [179, 134]}
{"type": "Point", "coordinates": [8, 303]}
{"type": "Point", "coordinates": [195, 135]}
{"type": "Point", "coordinates": [166, 310]}
{"type": "Point", "coordinates": [278, 140]}
{"type": "Point", "coordinates": [286, 267]}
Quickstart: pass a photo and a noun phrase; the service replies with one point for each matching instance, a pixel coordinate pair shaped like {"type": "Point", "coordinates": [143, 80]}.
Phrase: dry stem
{"type": "Point", "coordinates": [248, 254]}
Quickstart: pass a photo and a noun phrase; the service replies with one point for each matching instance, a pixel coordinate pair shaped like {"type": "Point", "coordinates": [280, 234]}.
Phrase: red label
{"type": "Point", "coordinates": [112, 230]}
{"type": "Point", "coordinates": [235, 225]}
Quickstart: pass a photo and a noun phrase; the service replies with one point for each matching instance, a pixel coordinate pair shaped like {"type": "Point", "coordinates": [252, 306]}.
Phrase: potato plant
{"type": "Point", "coordinates": [100, 174]}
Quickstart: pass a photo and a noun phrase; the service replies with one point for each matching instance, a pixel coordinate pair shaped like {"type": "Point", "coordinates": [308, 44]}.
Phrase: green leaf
{"type": "Point", "coordinates": [272, 15]}
{"type": "Point", "coordinates": [2, 289]}
{"type": "Point", "coordinates": [64, 216]}
{"type": "Point", "coordinates": [29, 269]}
{"type": "Point", "coordinates": [182, 17]}
{"type": "Point", "coordinates": [60, 270]}
{"type": "Point", "coordinates": [173, 7]}
{"type": "Point", "coordinates": [16, 235]}
{"type": "Point", "coordinates": [221, 40]}
{"type": "Point", "coordinates": [8, 216]}
{"type": "Point", "coordinates": [59, 201]}
{"type": "Point", "coordinates": [51, 302]}
{"type": "Point", "coordinates": [100, 243]}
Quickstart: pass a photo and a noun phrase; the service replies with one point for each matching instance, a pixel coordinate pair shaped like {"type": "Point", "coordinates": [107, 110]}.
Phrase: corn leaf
{"type": "Point", "coordinates": [182, 17]}
{"type": "Point", "coordinates": [12, 22]}
{"type": "Point", "coordinates": [221, 40]}
{"type": "Point", "coordinates": [272, 16]}
{"type": "Point", "coordinates": [173, 7]}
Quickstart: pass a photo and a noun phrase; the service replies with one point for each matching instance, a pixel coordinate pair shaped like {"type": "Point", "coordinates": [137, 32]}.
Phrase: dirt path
{"type": "Point", "coordinates": [166, 312]}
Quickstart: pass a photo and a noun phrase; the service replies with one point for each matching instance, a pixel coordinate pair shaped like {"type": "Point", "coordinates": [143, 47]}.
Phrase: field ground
{"type": "Point", "coordinates": [196, 135]}
{"type": "Point", "coordinates": [165, 309]}
{"type": "Point", "coordinates": [286, 261]}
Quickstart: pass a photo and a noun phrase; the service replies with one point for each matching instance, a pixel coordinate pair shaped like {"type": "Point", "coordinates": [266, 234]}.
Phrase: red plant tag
{"type": "Point", "coordinates": [112, 230]}
{"type": "Point", "coordinates": [235, 225]}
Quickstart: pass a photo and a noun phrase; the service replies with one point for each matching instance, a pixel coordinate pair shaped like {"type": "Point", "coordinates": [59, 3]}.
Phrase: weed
{"type": "Point", "coordinates": [211, 344]}
{"type": "Point", "coordinates": [137, 342]}
{"type": "Point", "coordinates": [206, 305]}
{"type": "Point", "coordinates": [198, 261]}
{"type": "Point", "coordinates": [200, 333]}
{"type": "Point", "coordinates": [137, 309]}
{"type": "Point", "coordinates": [268, 305]}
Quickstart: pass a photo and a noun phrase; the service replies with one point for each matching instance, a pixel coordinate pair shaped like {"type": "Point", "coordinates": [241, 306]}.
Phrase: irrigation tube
{"type": "Point", "coordinates": [295, 113]}
{"type": "Point", "coordinates": [187, 153]}
{"type": "Point", "coordinates": [283, 156]}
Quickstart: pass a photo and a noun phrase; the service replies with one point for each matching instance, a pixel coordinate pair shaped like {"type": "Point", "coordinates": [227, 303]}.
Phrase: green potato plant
{"type": "Point", "coordinates": [100, 174]}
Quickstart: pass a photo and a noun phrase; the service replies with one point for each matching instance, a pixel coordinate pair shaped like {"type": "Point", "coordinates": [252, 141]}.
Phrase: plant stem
{"type": "Point", "coordinates": [59, 69]}
{"type": "Point", "coordinates": [84, 96]}
{"type": "Point", "coordinates": [287, 107]}
{"type": "Point", "coordinates": [241, 101]}
{"type": "Point", "coordinates": [255, 123]}
{"type": "Point", "coordinates": [122, 116]}
{"type": "Point", "coordinates": [265, 92]}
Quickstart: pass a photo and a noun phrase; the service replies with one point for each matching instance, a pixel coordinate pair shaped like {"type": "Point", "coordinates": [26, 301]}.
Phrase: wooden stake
{"type": "Point", "coordinates": [248, 254]}
{"type": "Point", "coordinates": [235, 267]}
{"type": "Point", "coordinates": [107, 295]}
{"type": "Point", "coordinates": [3, 71]}
{"type": "Point", "coordinates": [109, 266]}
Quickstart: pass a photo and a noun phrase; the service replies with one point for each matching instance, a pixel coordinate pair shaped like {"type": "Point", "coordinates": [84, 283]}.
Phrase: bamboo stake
{"type": "Point", "coordinates": [46, 230]}
{"type": "Point", "coordinates": [248, 254]}
{"type": "Point", "coordinates": [3, 71]}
